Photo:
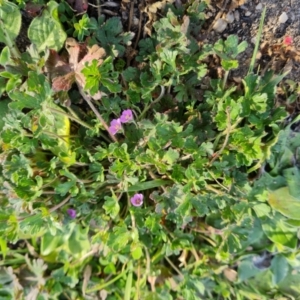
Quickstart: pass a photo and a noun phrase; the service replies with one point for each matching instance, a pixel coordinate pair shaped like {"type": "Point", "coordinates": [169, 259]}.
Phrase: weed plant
{"type": "Point", "coordinates": [146, 178]}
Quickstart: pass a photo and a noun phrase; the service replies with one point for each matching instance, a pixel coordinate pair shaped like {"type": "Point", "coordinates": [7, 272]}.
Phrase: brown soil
{"type": "Point", "coordinates": [247, 15]}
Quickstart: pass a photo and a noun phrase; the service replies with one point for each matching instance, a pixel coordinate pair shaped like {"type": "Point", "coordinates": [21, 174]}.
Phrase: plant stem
{"type": "Point", "coordinates": [174, 267]}
{"type": "Point", "coordinates": [15, 52]}
{"type": "Point", "coordinates": [54, 208]}
{"type": "Point", "coordinates": [152, 103]}
{"type": "Point", "coordinates": [84, 124]}
{"type": "Point", "coordinates": [128, 285]}
{"type": "Point", "coordinates": [226, 137]}
{"type": "Point", "coordinates": [101, 286]}
{"type": "Point", "coordinates": [91, 105]}
{"type": "Point", "coordinates": [252, 63]}
{"type": "Point", "coordinates": [225, 79]}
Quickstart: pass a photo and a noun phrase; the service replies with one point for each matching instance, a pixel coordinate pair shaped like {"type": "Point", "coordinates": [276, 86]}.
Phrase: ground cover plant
{"type": "Point", "coordinates": [143, 178]}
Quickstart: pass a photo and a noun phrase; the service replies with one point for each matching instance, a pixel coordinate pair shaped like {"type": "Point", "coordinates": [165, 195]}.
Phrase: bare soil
{"type": "Point", "coordinates": [246, 18]}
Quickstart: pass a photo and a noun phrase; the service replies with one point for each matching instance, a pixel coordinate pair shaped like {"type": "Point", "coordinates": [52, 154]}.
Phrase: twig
{"type": "Point", "coordinates": [91, 105]}
{"type": "Point", "coordinates": [216, 180]}
{"type": "Point", "coordinates": [162, 93]}
{"type": "Point", "coordinates": [59, 205]}
{"type": "Point", "coordinates": [140, 26]}
{"type": "Point", "coordinates": [130, 14]}
{"type": "Point", "coordinates": [174, 267]}
{"type": "Point", "coordinates": [98, 6]}
{"type": "Point", "coordinates": [226, 137]}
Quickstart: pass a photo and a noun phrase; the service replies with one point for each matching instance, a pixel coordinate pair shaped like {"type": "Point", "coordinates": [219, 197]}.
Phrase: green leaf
{"type": "Point", "coordinates": [279, 268]}
{"type": "Point", "coordinates": [45, 31]}
{"type": "Point", "coordinates": [198, 285]}
{"type": "Point", "coordinates": [130, 74]}
{"type": "Point", "coordinates": [290, 285]}
{"type": "Point", "coordinates": [60, 276]}
{"type": "Point", "coordinates": [10, 22]}
{"type": "Point", "coordinates": [3, 247]}
{"type": "Point", "coordinates": [292, 176]}
{"type": "Point", "coordinates": [171, 156]}
{"type": "Point", "coordinates": [146, 48]}
{"type": "Point", "coordinates": [281, 200]}
{"type": "Point", "coordinates": [111, 85]}
{"type": "Point", "coordinates": [279, 232]}
{"type": "Point", "coordinates": [169, 56]}
{"type": "Point", "coordinates": [50, 243]}
{"type": "Point", "coordinates": [247, 270]}
{"type": "Point", "coordinates": [199, 204]}
{"type": "Point", "coordinates": [147, 185]}
{"type": "Point", "coordinates": [229, 64]}
{"type": "Point", "coordinates": [3, 111]}
{"type": "Point", "coordinates": [242, 47]}
{"type": "Point", "coordinates": [5, 56]}
{"type": "Point", "coordinates": [111, 206]}
{"type": "Point", "coordinates": [111, 35]}
{"type": "Point", "coordinates": [231, 42]}
{"type": "Point", "coordinates": [23, 100]}
{"type": "Point", "coordinates": [78, 242]}
{"type": "Point", "coordinates": [119, 238]}
{"type": "Point", "coordinates": [136, 251]}
{"type": "Point", "coordinates": [64, 188]}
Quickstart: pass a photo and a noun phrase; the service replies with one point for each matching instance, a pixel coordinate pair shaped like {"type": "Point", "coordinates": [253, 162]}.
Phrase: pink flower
{"type": "Point", "coordinates": [137, 200]}
{"type": "Point", "coordinates": [115, 126]}
{"type": "Point", "coordinates": [72, 213]}
{"type": "Point", "coordinates": [288, 40]}
{"type": "Point", "coordinates": [126, 116]}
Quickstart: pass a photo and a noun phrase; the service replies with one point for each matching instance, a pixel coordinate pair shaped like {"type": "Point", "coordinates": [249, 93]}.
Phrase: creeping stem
{"type": "Point", "coordinates": [153, 102]}
{"type": "Point", "coordinates": [91, 105]}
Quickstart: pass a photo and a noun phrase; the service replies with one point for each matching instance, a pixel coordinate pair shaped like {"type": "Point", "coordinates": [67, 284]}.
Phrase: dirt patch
{"type": "Point", "coordinates": [242, 18]}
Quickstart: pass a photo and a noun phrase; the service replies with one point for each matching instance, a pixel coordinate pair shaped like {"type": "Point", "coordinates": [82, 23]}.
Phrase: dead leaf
{"type": "Point", "coordinates": [65, 74]}
{"type": "Point", "coordinates": [151, 10]}
{"type": "Point", "coordinates": [185, 25]}
{"type": "Point", "coordinates": [230, 274]}
{"type": "Point", "coordinates": [152, 280]}
{"type": "Point", "coordinates": [80, 6]}
{"type": "Point", "coordinates": [236, 3]}
{"type": "Point", "coordinates": [86, 278]}
{"type": "Point", "coordinates": [63, 83]}
{"type": "Point", "coordinates": [226, 5]}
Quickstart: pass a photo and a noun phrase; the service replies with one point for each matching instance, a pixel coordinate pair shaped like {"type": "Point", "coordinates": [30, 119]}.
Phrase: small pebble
{"type": "Point", "coordinates": [237, 15]}
{"type": "Point", "coordinates": [258, 55]}
{"type": "Point", "coordinates": [229, 17]}
{"type": "Point", "coordinates": [258, 6]}
{"type": "Point", "coordinates": [253, 40]}
{"type": "Point", "coordinates": [283, 17]}
{"type": "Point", "coordinates": [247, 13]}
{"type": "Point", "coordinates": [220, 25]}
{"type": "Point", "coordinates": [136, 21]}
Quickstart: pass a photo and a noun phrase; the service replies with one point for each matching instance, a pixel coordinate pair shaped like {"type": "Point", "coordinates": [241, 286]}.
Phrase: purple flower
{"type": "Point", "coordinates": [72, 213]}
{"type": "Point", "coordinates": [137, 200]}
{"type": "Point", "coordinates": [115, 126]}
{"type": "Point", "coordinates": [126, 116]}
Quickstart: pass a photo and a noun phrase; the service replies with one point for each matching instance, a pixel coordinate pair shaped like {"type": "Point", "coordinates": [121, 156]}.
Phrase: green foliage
{"type": "Point", "coordinates": [203, 227]}
{"type": "Point", "coordinates": [10, 25]}
{"type": "Point", "coordinates": [84, 27]}
{"type": "Point", "coordinates": [111, 37]}
{"type": "Point", "coordinates": [10, 17]}
{"type": "Point", "coordinates": [46, 31]}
